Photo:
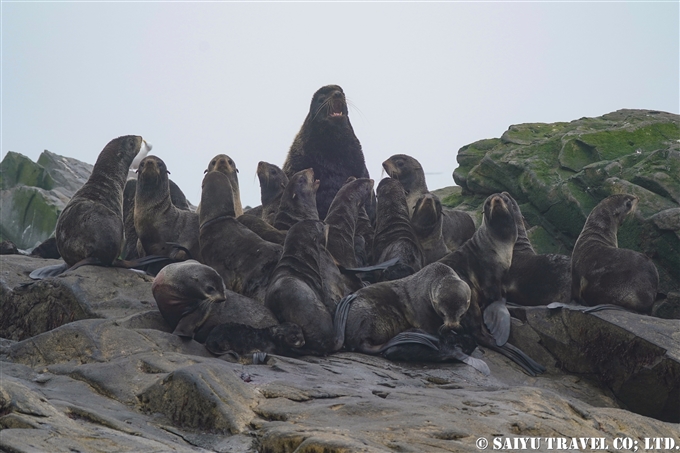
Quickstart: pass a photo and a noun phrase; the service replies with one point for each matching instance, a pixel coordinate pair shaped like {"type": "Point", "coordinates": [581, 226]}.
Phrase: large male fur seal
{"type": "Point", "coordinates": [91, 225]}
{"type": "Point", "coordinates": [243, 259]}
{"type": "Point", "coordinates": [159, 223]}
{"type": "Point", "coordinates": [326, 143]}
{"type": "Point", "coordinates": [535, 279]}
{"type": "Point", "coordinates": [457, 226]}
{"type": "Point", "coordinates": [482, 263]}
{"type": "Point", "coordinates": [602, 273]}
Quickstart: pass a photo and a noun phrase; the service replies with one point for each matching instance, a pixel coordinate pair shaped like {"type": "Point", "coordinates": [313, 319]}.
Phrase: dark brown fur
{"type": "Point", "coordinates": [298, 201]}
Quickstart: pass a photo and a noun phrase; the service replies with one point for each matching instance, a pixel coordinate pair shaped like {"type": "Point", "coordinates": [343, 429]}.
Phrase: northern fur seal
{"type": "Point", "coordinates": [225, 164]}
{"type": "Point", "coordinates": [243, 259]}
{"type": "Point", "coordinates": [184, 293]}
{"type": "Point", "coordinates": [394, 236]}
{"type": "Point", "coordinates": [326, 143]}
{"type": "Point", "coordinates": [91, 225]}
{"type": "Point", "coordinates": [433, 299]}
{"type": "Point", "coordinates": [273, 182]}
{"type": "Point", "coordinates": [298, 291]}
{"type": "Point", "coordinates": [193, 300]}
{"type": "Point", "coordinates": [427, 223]}
{"type": "Point", "coordinates": [342, 219]}
{"type": "Point", "coordinates": [243, 339]}
{"type": "Point", "coordinates": [298, 201]}
{"type": "Point", "coordinates": [262, 228]}
{"type": "Point", "coordinates": [457, 226]}
{"type": "Point", "coordinates": [159, 223]}
{"type": "Point", "coordinates": [482, 263]}
{"type": "Point", "coordinates": [602, 273]}
{"type": "Point", "coordinates": [535, 279]}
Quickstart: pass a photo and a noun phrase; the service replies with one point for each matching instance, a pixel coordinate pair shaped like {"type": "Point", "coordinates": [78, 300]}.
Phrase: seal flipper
{"type": "Point", "coordinates": [529, 365]}
{"type": "Point", "coordinates": [377, 267]}
{"type": "Point", "coordinates": [259, 358]}
{"type": "Point", "coordinates": [48, 271]}
{"type": "Point", "coordinates": [497, 320]}
{"type": "Point", "coordinates": [477, 364]}
{"type": "Point", "coordinates": [584, 309]}
{"type": "Point", "coordinates": [411, 337]}
{"type": "Point", "coordinates": [340, 320]}
{"type": "Point", "coordinates": [189, 324]}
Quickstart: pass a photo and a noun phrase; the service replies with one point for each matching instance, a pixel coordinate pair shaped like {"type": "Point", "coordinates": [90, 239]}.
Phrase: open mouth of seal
{"type": "Point", "coordinates": [336, 108]}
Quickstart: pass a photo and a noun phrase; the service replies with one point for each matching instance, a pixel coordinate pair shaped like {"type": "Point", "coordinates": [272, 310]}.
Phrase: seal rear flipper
{"type": "Point", "coordinates": [49, 271]}
{"type": "Point", "coordinates": [178, 252]}
{"type": "Point", "coordinates": [477, 364]}
{"type": "Point", "coordinates": [412, 337]}
{"type": "Point", "coordinates": [529, 365]}
{"type": "Point", "coordinates": [340, 320]}
{"type": "Point", "coordinates": [259, 358]}
{"type": "Point", "coordinates": [497, 320]}
{"type": "Point", "coordinates": [377, 267]}
{"type": "Point", "coordinates": [584, 309]}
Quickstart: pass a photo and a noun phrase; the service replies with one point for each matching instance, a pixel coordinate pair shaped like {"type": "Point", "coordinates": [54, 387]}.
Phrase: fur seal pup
{"type": "Point", "coordinates": [482, 263]}
{"type": "Point", "coordinates": [326, 142]}
{"type": "Point", "coordinates": [457, 226]}
{"type": "Point", "coordinates": [394, 236]}
{"type": "Point", "coordinates": [342, 219]}
{"type": "Point", "coordinates": [602, 273]}
{"type": "Point", "coordinates": [535, 279]}
{"type": "Point", "coordinates": [244, 339]}
{"type": "Point", "coordinates": [427, 221]}
{"type": "Point", "coordinates": [433, 300]}
{"type": "Point", "coordinates": [297, 292]}
{"type": "Point", "coordinates": [184, 293]}
{"type": "Point", "coordinates": [91, 225]}
{"type": "Point", "coordinates": [243, 259]}
{"type": "Point", "coordinates": [159, 223]}
{"type": "Point", "coordinates": [298, 201]}
{"type": "Point", "coordinates": [226, 165]}
{"type": "Point", "coordinates": [273, 182]}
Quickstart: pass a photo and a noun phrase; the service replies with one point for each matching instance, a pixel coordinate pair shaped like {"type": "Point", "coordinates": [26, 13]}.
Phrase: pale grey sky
{"type": "Point", "coordinates": [200, 79]}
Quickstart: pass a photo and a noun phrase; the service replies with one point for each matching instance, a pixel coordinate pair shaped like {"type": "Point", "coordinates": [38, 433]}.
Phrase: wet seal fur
{"type": "Point", "coordinates": [427, 221]}
{"type": "Point", "coordinates": [244, 339]}
{"type": "Point", "coordinates": [299, 291]}
{"type": "Point", "coordinates": [482, 262]}
{"type": "Point", "coordinates": [243, 259]}
{"type": "Point", "coordinates": [326, 142]}
{"type": "Point", "coordinates": [394, 235]}
{"type": "Point", "coordinates": [433, 299]}
{"type": "Point", "coordinates": [273, 182]}
{"type": "Point", "coordinates": [602, 273]}
{"type": "Point", "coordinates": [535, 279]}
{"type": "Point", "coordinates": [457, 226]}
{"type": "Point", "coordinates": [158, 222]}
{"type": "Point", "coordinates": [91, 225]}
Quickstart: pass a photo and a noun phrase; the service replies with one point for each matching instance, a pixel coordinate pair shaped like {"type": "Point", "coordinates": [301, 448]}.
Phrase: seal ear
{"type": "Point", "coordinates": [168, 171]}
{"type": "Point", "coordinates": [205, 171]}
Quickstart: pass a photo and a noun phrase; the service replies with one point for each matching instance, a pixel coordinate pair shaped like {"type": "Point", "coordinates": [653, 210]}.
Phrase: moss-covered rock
{"type": "Point", "coordinates": [29, 215]}
{"type": "Point", "coordinates": [17, 169]}
{"type": "Point", "coordinates": [558, 172]}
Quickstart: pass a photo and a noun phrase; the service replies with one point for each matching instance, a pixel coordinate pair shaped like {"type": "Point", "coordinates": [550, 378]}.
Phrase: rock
{"type": "Point", "coordinates": [120, 381]}
{"type": "Point", "coordinates": [558, 172]}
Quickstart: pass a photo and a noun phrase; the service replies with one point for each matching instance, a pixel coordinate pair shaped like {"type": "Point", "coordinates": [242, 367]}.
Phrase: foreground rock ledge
{"type": "Point", "coordinates": [117, 380]}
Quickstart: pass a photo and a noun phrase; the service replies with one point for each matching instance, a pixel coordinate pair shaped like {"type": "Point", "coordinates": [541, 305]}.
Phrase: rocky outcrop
{"type": "Point", "coordinates": [558, 172]}
{"type": "Point", "coordinates": [33, 194]}
{"type": "Point", "coordinates": [114, 378]}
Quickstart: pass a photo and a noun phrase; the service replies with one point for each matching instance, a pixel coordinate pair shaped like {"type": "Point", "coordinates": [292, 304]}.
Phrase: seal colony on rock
{"type": "Point", "coordinates": [602, 273]}
{"type": "Point", "coordinates": [327, 143]}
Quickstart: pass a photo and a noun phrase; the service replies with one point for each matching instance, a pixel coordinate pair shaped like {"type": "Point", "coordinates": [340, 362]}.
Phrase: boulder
{"type": "Point", "coordinates": [558, 172]}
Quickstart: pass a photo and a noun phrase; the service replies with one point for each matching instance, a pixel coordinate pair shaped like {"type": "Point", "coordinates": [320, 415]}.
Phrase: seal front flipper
{"type": "Point", "coordinates": [259, 358]}
{"type": "Point", "coordinates": [477, 364]}
{"type": "Point", "coordinates": [190, 324]}
{"type": "Point", "coordinates": [497, 320]}
{"type": "Point", "coordinates": [584, 309]}
{"type": "Point", "coordinates": [411, 337]}
{"type": "Point", "coordinates": [340, 320]}
{"type": "Point", "coordinates": [377, 267]}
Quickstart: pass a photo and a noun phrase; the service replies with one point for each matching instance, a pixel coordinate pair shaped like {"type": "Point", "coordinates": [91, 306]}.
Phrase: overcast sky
{"type": "Point", "coordinates": [424, 79]}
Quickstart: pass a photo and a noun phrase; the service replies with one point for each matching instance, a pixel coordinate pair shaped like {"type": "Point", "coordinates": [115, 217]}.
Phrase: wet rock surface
{"type": "Point", "coordinates": [118, 380]}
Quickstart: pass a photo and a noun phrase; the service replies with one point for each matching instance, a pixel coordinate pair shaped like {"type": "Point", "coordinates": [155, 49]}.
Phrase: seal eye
{"type": "Point", "coordinates": [210, 289]}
